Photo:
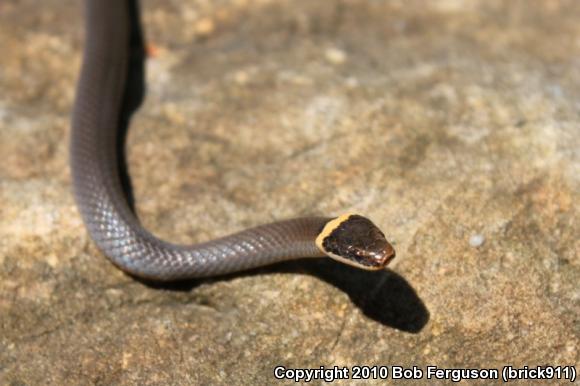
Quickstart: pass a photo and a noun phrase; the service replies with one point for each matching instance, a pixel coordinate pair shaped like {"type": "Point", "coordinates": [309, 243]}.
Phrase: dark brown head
{"type": "Point", "coordinates": [355, 240]}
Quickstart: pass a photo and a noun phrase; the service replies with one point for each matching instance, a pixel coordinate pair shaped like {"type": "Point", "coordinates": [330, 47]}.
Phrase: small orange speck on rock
{"type": "Point", "coordinates": [152, 50]}
{"type": "Point", "coordinates": [204, 27]}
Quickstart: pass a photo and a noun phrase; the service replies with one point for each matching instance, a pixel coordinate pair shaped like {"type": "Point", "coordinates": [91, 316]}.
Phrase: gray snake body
{"type": "Point", "coordinates": [102, 197]}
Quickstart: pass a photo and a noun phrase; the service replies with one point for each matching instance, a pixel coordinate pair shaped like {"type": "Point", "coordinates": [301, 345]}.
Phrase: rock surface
{"type": "Point", "coordinates": [452, 124]}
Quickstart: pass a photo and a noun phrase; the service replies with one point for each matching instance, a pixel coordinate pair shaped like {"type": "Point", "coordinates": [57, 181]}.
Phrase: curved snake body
{"type": "Point", "coordinates": [110, 87]}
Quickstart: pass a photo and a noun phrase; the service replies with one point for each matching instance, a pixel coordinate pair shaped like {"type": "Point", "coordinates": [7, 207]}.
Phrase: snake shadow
{"type": "Point", "coordinates": [383, 296]}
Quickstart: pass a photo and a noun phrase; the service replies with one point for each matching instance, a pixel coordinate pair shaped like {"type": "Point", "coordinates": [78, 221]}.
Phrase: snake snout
{"type": "Point", "coordinates": [380, 253]}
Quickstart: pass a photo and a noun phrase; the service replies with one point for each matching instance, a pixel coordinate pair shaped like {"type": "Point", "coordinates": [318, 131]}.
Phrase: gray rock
{"type": "Point", "coordinates": [439, 120]}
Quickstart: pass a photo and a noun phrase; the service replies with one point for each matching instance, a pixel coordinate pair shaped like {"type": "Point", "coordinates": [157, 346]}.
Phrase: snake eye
{"type": "Point", "coordinates": [355, 240]}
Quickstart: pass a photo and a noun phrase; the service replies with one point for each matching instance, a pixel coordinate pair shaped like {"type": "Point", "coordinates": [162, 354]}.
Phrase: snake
{"type": "Point", "coordinates": [110, 89]}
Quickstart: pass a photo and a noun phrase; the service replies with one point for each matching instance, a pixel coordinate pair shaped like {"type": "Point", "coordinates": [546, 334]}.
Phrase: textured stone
{"type": "Point", "coordinates": [440, 120]}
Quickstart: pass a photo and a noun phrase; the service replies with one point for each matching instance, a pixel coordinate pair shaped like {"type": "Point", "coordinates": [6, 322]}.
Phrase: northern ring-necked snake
{"type": "Point", "coordinates": [109, 89]}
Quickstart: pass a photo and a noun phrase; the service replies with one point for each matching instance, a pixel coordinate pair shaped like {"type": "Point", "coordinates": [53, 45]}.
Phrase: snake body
{"type": "Point", "coordinates": [103, 103]}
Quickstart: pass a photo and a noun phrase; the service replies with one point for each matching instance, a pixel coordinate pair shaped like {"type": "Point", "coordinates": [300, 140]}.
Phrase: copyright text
{"type": "Point", "coordinates": [507, 373]}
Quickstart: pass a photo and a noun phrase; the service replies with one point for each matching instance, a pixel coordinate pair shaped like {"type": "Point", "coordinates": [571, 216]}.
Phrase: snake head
{"type": "Point", "coordinates": [353, 239]}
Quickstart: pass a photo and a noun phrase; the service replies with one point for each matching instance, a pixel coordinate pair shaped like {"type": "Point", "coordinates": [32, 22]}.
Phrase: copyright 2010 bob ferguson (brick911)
{"type": "Point", "coordinates": [507, 373]}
